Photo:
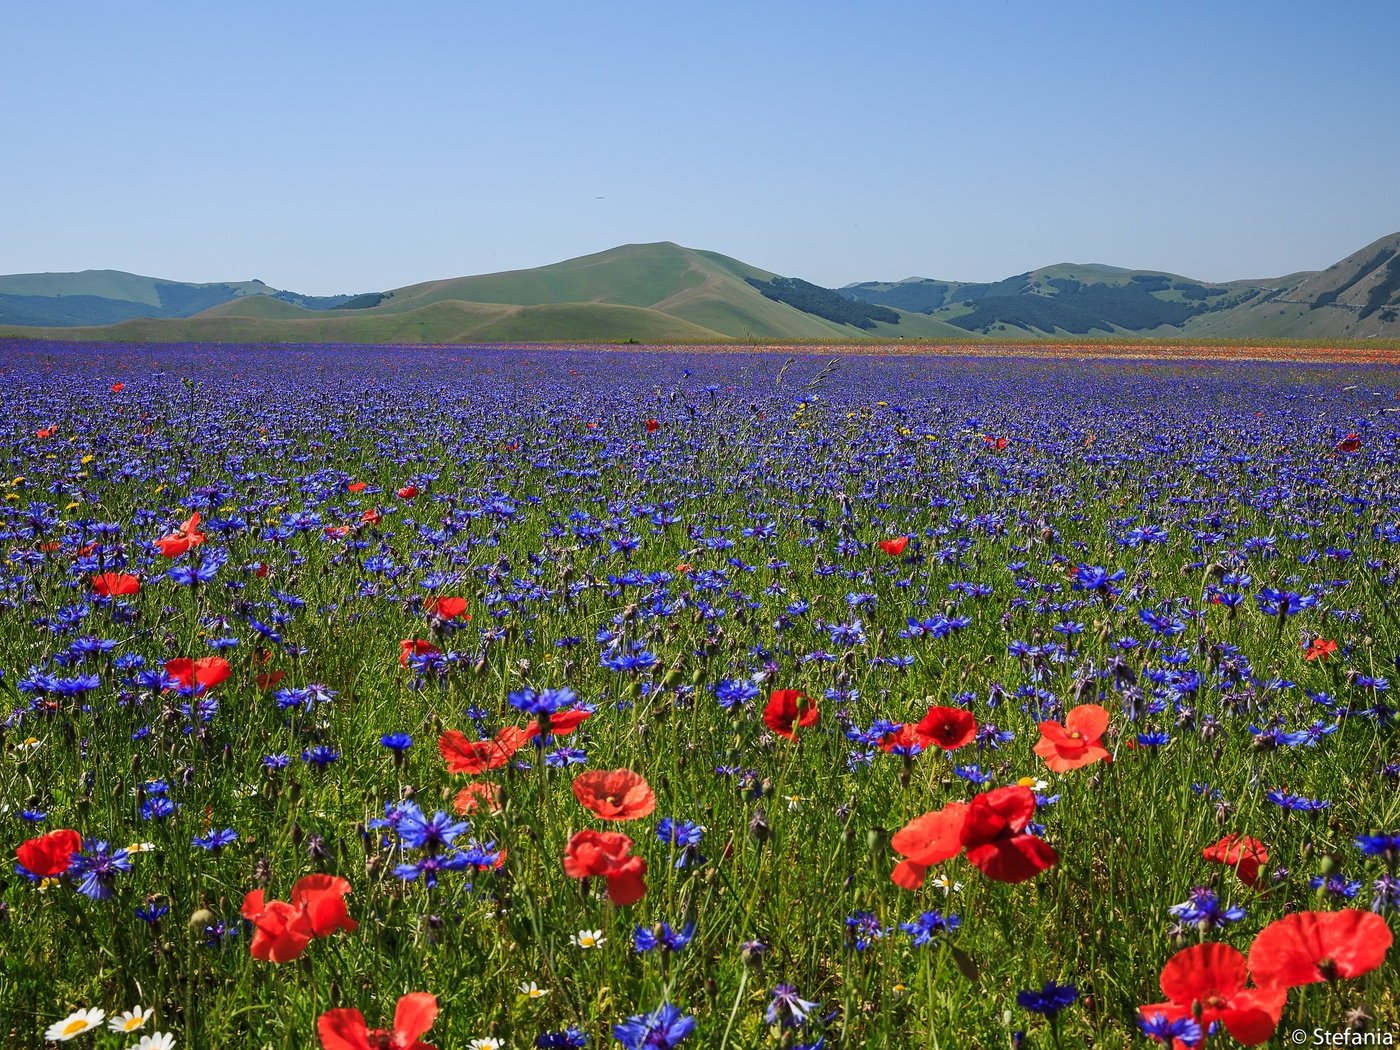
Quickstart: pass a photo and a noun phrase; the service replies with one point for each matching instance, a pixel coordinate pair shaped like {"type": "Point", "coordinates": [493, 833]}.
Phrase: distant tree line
{"type": "Point", "coordinates": [823, 302]}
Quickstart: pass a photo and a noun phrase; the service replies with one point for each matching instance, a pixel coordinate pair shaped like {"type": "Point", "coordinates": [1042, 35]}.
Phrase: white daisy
{"type": "Point", "coordinates": [531, 990]}
{"type": "Point", "coordinates": [587, 938]}
{"type": "Point", "coordinates": [131, 1020]}
{"type": "Point", "coordinates": [489, 1043]}
{"type": "Point", "coordinates": [947, 885]}
{"type": "Point", "coordinates": [156, 1041]}
{"type": "Point", "coordinates": [1034, 783]}
{"type": "Point", "coordinates": [76, 1023]}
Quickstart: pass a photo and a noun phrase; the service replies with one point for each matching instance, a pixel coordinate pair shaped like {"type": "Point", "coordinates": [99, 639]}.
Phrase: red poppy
{"type": "Point", "coordinates": [1320, 649]}
{"type": "Point", "coordinates": [337, 532]}
{"type": "Point", "coordinates": [1077, 742]}
{"type": "Point", "coordinates": [477, 756]}
{"type": "Point", "coordinates": [684, 568]}
{"type": "Point", "coordinates": [905, 736]}
{"type": "Point", "coordinates": [615, 794]}
{"type": "Point", "coordinates": [50, 854]}
{"type": "Point", "coordinates": [604, 853]}
{"type": "Point", "coordinates": [562, 723]}
{"type": "Point", "coordinates": [895, 547]}
{"type": "Point", "coordinates": [446, 608]}
{"type": "Point", "coordinates": [994, 835]}
{"type": "Point", "coordinates": [356, 486]}
{"type": "Point", "coordinates": [410, 647]}
{"type": "Point", "coordinates": [117, 388]}
{"type": "Point", "coordinates": [176, 543]}
{"type": "Point", "coordinates": [345, 1029]}
{"type": "Point", "coordinates": [371, 517]}
{"type": "Point", "coordinates": [477, 795]}
{"type": "Point", "coordinates": [271, 680]}
{"type": "Point", "coordinates": [997, 443]}
{"type": "Point", "coordinates": [1311, 946]}
{"type": "Point", "coordinates": [789, 710]}
{"type": "Point", "coordinates": [408, 492]}
{"type": "Point", "coordinates": [46, 432]}
{"type": "Point", "coordinates": [1210, 978]}
{"type": "Point", "coordinates": [653, 426]}
{"type": "Point", "coordinates": [948, 727]}
{"type": "Point", "coordinates": [1350, 443]}
{"type": "Point", "coordinates": [1246, 855]}
{"type": "Point", "coordinates": [115, 585]}
{"type": "Point", "coordinates": [200, 675]}
{"type": "Point", "coordinates": [283, 929]}
{"type": "Point", "coordinates": [927, 840]}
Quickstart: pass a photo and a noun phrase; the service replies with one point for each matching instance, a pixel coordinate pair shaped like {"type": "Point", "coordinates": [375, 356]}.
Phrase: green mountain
{"type": "Point", "coordinates": [668, 293]}
{"type": "Point", "coordinates": [101, 297]}
{"type": "Point", "coordinates": [645, 292]}
{"type": "Point", "coordinates": [1357, 298]}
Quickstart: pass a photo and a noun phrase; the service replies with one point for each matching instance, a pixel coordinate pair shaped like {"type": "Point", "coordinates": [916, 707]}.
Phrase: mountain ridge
{"type": "Point", "coordinates": [663, 291]}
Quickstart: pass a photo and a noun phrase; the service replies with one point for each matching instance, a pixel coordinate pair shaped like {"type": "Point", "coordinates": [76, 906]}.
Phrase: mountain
{"type": "Point", "coordinates": [644, 292]}
{"type": "Point", "coordinates": [101, 297]}
{"type": "Point", "coordinates": [664, 292]}
{"type": "Point", "coordinates": [1356, 298]}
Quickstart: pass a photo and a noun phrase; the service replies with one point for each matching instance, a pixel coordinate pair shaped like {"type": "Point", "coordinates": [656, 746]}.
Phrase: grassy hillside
{"type": "Point", "coordinates": [440, 322]}
{"type": "Point", "coordinates": [667, 292]}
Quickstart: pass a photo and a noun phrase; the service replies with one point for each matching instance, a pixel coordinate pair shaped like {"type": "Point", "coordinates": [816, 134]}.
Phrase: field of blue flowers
{"type": "Point", "coordinates": [488, 697]}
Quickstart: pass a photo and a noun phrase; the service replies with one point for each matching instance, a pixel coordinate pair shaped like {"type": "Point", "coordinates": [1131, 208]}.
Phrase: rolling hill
{"type": "Point", "coordinates": [664, 292]}
{"type": "Point", "coordinates": [1356, 298]}
{"type": "Point", "coordinates": [646, 292]}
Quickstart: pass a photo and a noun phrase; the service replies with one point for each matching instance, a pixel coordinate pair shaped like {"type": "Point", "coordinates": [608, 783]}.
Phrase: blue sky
{"type": "Point", "coordinates": [351, 147]}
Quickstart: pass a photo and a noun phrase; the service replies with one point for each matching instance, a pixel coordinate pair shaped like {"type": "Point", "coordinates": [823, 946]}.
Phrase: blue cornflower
{"type": "Point", "coordinates": [428, 833]}
{"type": "Point", "coordinates": [1335, 886]}
{"type": "Point", "coordinates": [1385, 845]}
{"type": "Point", "coordinates": [1283, 603]}
{"type": "Point", "coordinates": [1050, 1000]}
{"type": "Point", "coordinates": [276, 761]}
{"type": "Point", "coordinates": [1169, 1030]}
{"type": "Point", "coordinates": [1296, 802]}
{"type": "Point", "coordinates": [397, 742]}
{"type": "Point", "coordinates": [542, 703]}
{"type": "Point", "coordinates": [1204, 909]}
{"type": "Point", "coordinates": [320, 756]}
{"type": "Point", "coordinates": [1154, 738]}
{"type": "Point", "coordinates": [685, 835]}
{"type": "Point", "coordinates": [1385, 895]}
{"type": "Point", "coordinates": [865, 928]}
{"type": "Point", "coordinates": [787, 1008]}
{"type": "Point", "coordinates": [97, 867]}
{"type": "Point", "coordinates": [568, 1039]}
{"type": "Point", "coordinates": [216, 840]}
{"type": "Point", "coordinates": [925, 926]}
{"type": "Point", "coordinates": [663, 936]}
{"type": "Point", "coordinates": [661, 1029]}
{"type": "Point", "coordinates": [158, 808]}
{"type": "Point", "coordinates": [565, 756]}
{"type": "Point", "coordinates": [972, 774]}
{"type": "Point", "coordinates": [151, 914]}
{"type": "Point", "coordinates": [732, 693]}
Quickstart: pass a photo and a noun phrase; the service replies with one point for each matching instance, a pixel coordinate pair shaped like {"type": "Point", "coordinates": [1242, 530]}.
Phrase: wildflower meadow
{"type": "Point", "coordinates": [363, 697]}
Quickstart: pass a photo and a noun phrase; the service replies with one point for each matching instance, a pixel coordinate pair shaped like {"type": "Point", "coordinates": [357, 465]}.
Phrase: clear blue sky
{"type": "Point", "coordinates": [345, 147]}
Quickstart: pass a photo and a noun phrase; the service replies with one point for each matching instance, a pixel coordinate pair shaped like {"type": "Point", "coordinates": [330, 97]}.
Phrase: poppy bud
{"type": "Point", "coordinates": [875, 839]}
{"type": "Point", "coordinates": [200, 918]}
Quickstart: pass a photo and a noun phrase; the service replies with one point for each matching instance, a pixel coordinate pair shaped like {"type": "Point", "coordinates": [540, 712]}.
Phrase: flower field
{"type": "Point", "coordinates": [482, 698]}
